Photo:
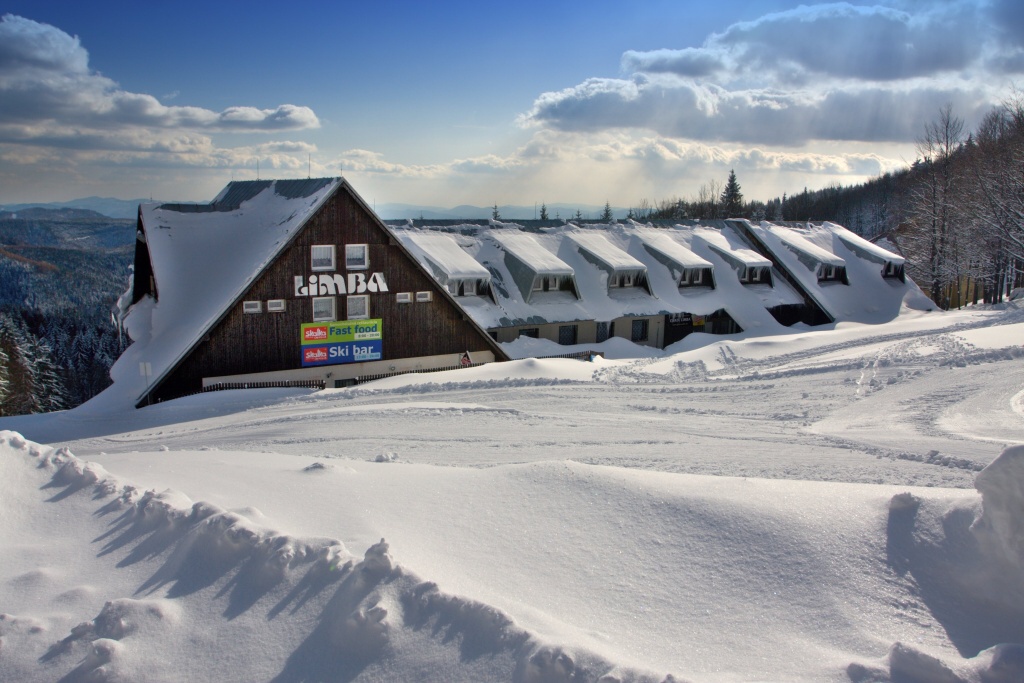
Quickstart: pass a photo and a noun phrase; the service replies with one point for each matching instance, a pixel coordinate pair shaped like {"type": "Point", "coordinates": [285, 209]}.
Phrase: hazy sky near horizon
{"type": "Point", "coordinates": [463, 103]}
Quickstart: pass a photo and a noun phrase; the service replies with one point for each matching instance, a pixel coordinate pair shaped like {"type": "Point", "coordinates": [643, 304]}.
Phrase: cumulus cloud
{"type": "Point", "coordinates": [825, 72]}
{"type": "Point", "coordinates": [45, 81]}
{"type": "Point", "coordinates": [689, 109]}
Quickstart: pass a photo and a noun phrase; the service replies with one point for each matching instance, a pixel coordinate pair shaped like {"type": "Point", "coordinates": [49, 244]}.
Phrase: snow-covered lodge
{"type": "Point", "coordinates": [298, 282]}
{"type": "Point", "coordinates": [286, 282]}
{"type": "Point", "coordinates": [582, 284]}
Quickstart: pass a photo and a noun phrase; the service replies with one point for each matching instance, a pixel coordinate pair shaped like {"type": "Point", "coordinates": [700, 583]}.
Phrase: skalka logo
{"type": "Point", "coordinates": [328, 284]}
{"type": "Point", "coordinates": [316, 354]}
{"type": "Point", "coordinates": [315, 333]}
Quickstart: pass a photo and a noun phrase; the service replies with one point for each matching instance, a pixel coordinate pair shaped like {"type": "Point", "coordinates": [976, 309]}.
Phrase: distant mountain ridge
{"type": "Point", "coordinates": [108, 206]}
{"type": "Point", "coordinates": [129, 208]}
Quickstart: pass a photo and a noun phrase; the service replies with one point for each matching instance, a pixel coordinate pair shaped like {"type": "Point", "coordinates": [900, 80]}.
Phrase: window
{"type": "Point", "coordinates": [538, 284]}
{"type": "Point", "coordinates": [567, 334]}
{"type": "Point", "coordinates": [453, 287]}
{"type": "Point", "coordinates": [692, 276]}
{"type": "Point", "coordinates": [252, 307]}
{"type": "Point", "coordinates": [357, 307]}
{"type": "Point", "coordinates": [424, 296]}
{"type": "Point", "coordinates": [324, 309]}
{"type": "Point", "coordinates": [532, 332]}
{"type": "Point", "coordinates": [403, 297]}
{"type": "Point", "coordinates": [276, 306]}
{"type": "Point", "coordinates": [602, 332]}
{"type": "Point", "coordinates": [641, 329]}
{"type": "Point", "coordinates": [357, 256]}
{"type": "Point", "coordinates": [469, 288]}
{"type": "Point", "coordinates": [322, 257]}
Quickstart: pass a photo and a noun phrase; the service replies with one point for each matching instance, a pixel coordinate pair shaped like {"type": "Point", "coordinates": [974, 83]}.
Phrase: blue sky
{"type": "Point", "coordinates": [449, 103]}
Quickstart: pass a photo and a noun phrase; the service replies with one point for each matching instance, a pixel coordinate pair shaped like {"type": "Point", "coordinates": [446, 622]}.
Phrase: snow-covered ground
{"type": "Point", "coordinates": [821, 505]}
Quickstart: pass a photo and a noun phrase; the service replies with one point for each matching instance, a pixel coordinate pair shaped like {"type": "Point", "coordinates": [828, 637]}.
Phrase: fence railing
{"type": "Point", "coordinates": [279, 384]}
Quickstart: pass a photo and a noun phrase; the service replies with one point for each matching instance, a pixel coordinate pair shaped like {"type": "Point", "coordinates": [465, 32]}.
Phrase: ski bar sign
{"type": "Point", "coordinates": [345, 341]}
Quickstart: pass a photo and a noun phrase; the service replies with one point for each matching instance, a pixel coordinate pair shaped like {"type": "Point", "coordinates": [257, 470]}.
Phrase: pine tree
{"type": "Point", "coordinates": [543, 212]}
{"type": "Point", "coordinates": [732, 198]}
{"type": "Point", "coordinates": [494, 213]}
{"type": "Point", "coordinates": [606, 216]}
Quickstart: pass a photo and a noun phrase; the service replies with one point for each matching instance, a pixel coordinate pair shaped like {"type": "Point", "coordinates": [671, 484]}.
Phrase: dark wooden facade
{"type": "Point", "coordinates": [241, 343]}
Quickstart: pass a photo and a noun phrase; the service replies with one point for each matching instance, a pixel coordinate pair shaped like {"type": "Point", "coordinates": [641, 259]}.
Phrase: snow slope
{"type": "Point", "coordinates": [821, 505]}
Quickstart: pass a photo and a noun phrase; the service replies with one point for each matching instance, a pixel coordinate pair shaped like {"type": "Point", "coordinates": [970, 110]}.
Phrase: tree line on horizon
{"type": "Point", "coordinates": [956, 214]}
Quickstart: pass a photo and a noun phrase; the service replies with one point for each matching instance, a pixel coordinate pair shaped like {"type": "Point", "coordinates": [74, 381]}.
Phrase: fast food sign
{"type": "Point", "coordinates": [345, 341]}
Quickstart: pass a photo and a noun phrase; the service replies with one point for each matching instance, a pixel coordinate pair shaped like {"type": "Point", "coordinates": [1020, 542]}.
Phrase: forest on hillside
{"type": "Point", "coordinates": [957, 214]}
{"type": "Point", "coordinates": [61, 272]}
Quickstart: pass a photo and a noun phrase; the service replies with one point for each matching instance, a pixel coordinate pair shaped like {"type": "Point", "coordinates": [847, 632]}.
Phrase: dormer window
{"type": "Point", "coordinates": [322, 257]}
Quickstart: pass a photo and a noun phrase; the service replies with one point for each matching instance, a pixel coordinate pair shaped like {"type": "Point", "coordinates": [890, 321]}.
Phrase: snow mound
{"type": "Point", "coordinates": [967, 561]}
{"type": "Point", "coordinates": [1001, 485]}
{"type": "Point", "coordinates": [379, 612]}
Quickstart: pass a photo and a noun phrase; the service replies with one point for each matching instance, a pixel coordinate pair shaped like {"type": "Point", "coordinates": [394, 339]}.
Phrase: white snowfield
{"type": "Point", "coordinates": [838, 504]}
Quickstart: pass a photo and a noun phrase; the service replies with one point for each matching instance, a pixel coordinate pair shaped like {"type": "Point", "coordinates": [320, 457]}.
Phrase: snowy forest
{"type": "Point", "coordinates": [61, 272]}
{"type": "Point", "coordinates": [957, 214]}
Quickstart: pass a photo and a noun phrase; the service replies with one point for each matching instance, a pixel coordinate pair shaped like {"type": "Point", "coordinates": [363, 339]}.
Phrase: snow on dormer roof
{"type": "Point", "coordinates": [531, 253]}
{"type": "Point", "coordinates": [444, 253]}
{"type": "Point", "coordinates": [662, 243]}
{"type": "Point", "coordinates": [726, 243]}
{"type": "Point", "coordinates": [598, 246]}
{"type": "Point", "coordinates": [858, 244]}
{"type": "Point", "coordinates": [796, 241]}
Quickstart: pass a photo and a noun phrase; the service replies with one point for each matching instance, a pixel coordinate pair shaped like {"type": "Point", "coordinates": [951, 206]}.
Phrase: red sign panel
{"type": "Point", "coordinates": [314, 354]}
{"type": "Point", "coordinates": [318, 333]}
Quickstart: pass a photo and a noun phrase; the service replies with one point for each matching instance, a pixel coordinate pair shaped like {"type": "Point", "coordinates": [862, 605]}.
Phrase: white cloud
{"type": "Point", "coordinates": [825, 72]}
{"type": "Point", "coordinates": [45, 82]}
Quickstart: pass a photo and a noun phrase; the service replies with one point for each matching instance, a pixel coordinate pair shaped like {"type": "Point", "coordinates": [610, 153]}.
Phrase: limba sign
{"type": "Point", "coordinates": [345, 341]}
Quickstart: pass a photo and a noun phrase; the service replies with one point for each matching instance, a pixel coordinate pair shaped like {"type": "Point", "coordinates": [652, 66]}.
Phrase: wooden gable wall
{"type": "Point", "coordinates": [251, 343]}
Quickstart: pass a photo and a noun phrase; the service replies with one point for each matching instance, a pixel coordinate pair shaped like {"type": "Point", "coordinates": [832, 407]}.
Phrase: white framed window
{"type": "Point", "coordinates": [322, 257]}
{"type": "Point", "coordinates": [453, 287]}
{"type": "Point", "coordinates": [252, 307]}
{"type": "Point", "coordinates": [424, 296]}
{"type": "Point", "coordinates": [403, 297]}
{"type": "Point", "coordinates": [357, 307]}
{"type": "Point", "coordinates": [538, 284]}
{"type": "Point", "coordinates": [357, 256]}
{"type": "Point", "coordinates": [469, 288]}
{"type": "Point", "coordinates": [324, 309]}
{"type": "Point", "coordinates": [276, 306]}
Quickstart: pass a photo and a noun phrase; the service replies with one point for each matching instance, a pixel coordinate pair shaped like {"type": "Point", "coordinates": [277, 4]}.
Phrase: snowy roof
{"type": "Point", "coordinates": [856, 242]}
{"type": "Point", "coordinates": [668, 247]}
{"type": "Point", "coordinates": [531, 253]}
{"type": "Point", "coordinates": [598, 246]}
{"type": "Point", "coordinates": [444, 252]}
{"type": "Point", "coordinates": [732, 247]}
{"type": "Point", "coordinates": [795, 240]}
{"type": "Point", "coordinates": [868, 298]}
{"type": "Point", "coordinates": [204, 257]}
